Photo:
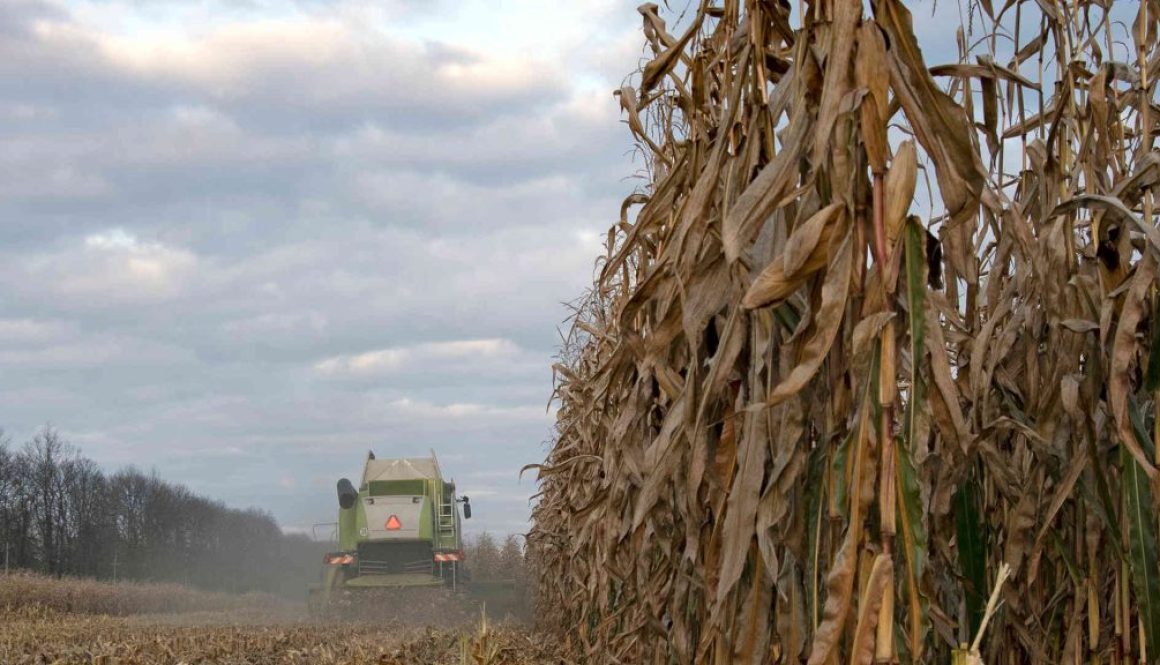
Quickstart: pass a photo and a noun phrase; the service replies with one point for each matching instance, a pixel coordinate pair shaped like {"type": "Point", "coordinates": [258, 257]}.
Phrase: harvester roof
{"type": "Point", "coordinates": [407, 468]}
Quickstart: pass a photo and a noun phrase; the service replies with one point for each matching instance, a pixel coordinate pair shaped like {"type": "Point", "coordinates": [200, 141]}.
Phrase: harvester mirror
{"type": "Point", "coordinates": [346, 494]}
{"type": "Point", "coordinates": [466, 507]}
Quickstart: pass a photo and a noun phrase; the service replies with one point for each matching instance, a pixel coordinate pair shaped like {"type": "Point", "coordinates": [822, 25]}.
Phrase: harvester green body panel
{"type": "Point", "coordinates": [399, 528]}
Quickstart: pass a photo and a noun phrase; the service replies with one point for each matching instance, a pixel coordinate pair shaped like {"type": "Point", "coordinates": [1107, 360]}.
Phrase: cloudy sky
{"type": "Point", "coordinates": [243, 242]}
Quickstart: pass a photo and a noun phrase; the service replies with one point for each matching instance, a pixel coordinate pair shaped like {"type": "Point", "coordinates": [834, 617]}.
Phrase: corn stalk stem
{"type": "Point", "coordinates": [887, 390]}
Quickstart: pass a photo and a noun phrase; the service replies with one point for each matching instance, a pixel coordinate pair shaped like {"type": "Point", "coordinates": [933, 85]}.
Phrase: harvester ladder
{"type": "Point", "coordinates": [447, 519]}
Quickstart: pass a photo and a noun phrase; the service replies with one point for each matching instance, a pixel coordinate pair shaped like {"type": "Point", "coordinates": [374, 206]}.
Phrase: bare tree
{"type": "Point", "coordinates": [60, 513]}
{"type": "Point", "coordinates": [483, 557]}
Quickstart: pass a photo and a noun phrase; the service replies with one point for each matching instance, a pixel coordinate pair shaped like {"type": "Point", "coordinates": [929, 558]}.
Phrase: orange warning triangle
{"type": "Point", "coordinates": [393, 523]}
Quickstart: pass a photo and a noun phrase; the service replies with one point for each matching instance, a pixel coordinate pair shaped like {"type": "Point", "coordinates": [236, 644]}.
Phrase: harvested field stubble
{"type": "Point", "coordinates": [102, 640]}
{"type": "Point", "coordinates": [31, 592]}
{"type": "Point", "coordinates": [806, 415]}
{"type": "Point", "coordinates": [245, 630]}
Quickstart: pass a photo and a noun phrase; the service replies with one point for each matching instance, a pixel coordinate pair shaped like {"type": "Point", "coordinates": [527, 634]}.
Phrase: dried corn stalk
{"type": "Point", "coordinates": [807, 417]}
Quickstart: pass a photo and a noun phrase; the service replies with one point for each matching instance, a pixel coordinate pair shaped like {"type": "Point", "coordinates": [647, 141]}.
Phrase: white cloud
{"type": "Point", "coordinates": [133, 264]}
{"type": "Point", "coordinates": [419, 356]}
{"type": "Point", "coordinates": [21, 332]}
{"type": "Point", "coordinates": [475, 412]}
{"type": "Point", "coordinates": [311, 61]}
{"type": "Point", "coordinates": [113, 239]}
{"type": "Point", "coordinates": [112, 266]}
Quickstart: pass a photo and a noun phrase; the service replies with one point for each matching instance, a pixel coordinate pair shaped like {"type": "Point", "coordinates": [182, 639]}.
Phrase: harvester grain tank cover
{"type": "Point", "coordinates": [411, 468]}
{"type": "Point", "coordinates": [393, 517]}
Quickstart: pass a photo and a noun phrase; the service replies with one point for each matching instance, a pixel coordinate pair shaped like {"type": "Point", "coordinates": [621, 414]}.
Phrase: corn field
{"type": "Point", "coordinates": [69, 620]}
{"type": "Point", "coordinates": [869, 369]}
{"type": "Point", "coordinates": [38, 638]}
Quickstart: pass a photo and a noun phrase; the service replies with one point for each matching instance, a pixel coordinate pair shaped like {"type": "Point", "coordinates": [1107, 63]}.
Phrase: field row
{"type": "Point", "coordinates": [241, 638]}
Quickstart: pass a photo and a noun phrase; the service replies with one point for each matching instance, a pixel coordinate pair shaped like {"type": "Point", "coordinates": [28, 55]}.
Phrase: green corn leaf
{"type": "Point", "coordinates": [916, 402]}
{"type": "Point", "coordinates": [1152, 375]}
{"type": "Point", "coordinates": [839, 499]}
{"type": "Point", "coordinates": [914, 547]}
{"type": "Point", "coordinates": [816, 511]}
{"type": "Point", "coordinates": [1077, 578]}
{"type": "Point", "coordinates": [916, 304]}
{"type": "Point", "coordinates": [911, 511]}
{"type": "Point", "coordinates": [914, 543]}
{"type": "Point", "coordinates": [972, 553]}
{"type": "Point", "coordinates": [914, 550]}
{"type": "Point", "coordinates": [1102, 503]}
{"type": "Point", "coordinates": [1142, 533]}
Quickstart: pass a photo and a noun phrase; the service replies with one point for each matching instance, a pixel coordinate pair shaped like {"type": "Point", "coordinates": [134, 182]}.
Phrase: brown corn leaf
{"type": "Point", "coordinates": [872, 73]}
{"type": "Point", "coordinates": [1124, 347]}
{"type": "Point", "coordinates": [939, 124]}
{"type": "Point", "coordinates": [879, 584]}
{"type": "Point", "coordinates": [836, 81]}
{"type": "Point", "coordinates": [835, 289]}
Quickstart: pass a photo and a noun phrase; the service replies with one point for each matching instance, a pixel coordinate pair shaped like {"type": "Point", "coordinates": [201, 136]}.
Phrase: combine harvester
{"type": "Point", "coordinates": [399, 530]}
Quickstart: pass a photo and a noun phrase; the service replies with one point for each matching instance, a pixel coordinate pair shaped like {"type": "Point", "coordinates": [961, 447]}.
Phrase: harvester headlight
{"type": "Point", "coordinates": [339, 559]}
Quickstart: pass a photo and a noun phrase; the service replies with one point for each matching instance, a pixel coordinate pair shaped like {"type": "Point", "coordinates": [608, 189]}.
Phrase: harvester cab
{"type": "Point", "coordinates": [400, 528]}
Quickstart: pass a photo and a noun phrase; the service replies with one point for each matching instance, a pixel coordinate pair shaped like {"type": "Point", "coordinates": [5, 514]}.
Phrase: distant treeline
{"type": "Point", "coordinates": [60, 514]}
